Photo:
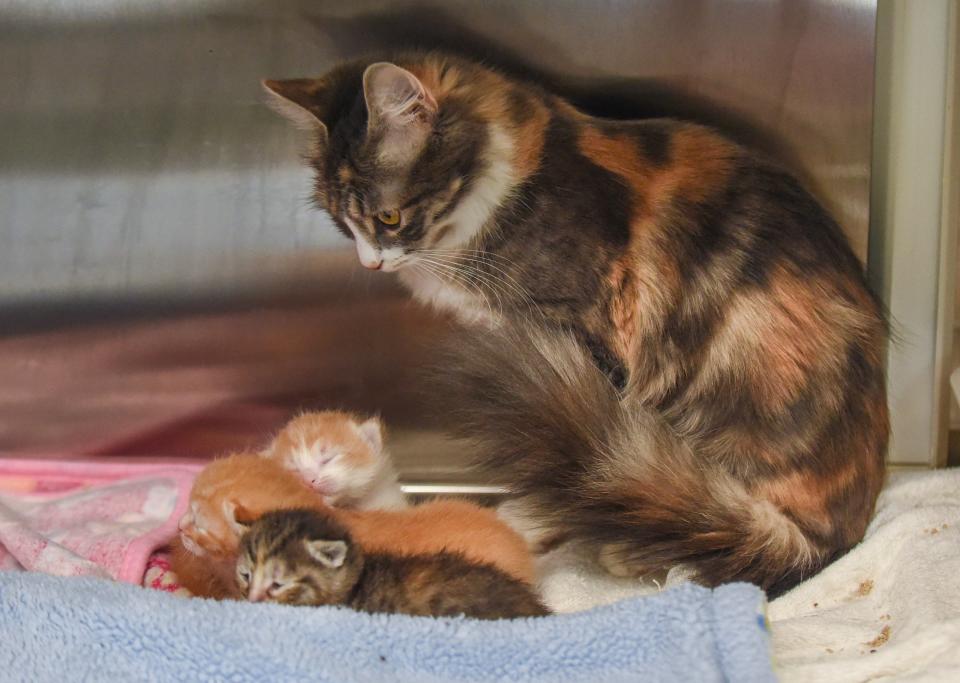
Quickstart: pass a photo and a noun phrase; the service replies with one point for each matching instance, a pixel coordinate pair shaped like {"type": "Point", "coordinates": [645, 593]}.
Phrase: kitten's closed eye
{"type": "Point", "coordinates": [327, 457]}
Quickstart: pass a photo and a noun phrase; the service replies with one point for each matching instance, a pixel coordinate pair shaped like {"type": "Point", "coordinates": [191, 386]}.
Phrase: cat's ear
{"type": "Point", "coordinates": [400, 109]}
{"type": "Point", "coordinates": [371, 431]}
{"type": "Point", "coordinates": [330, 554]}
{"type": "Point", "coordinates": [237, 516]}
{"type": "Point", "coordinates": [304, 101]}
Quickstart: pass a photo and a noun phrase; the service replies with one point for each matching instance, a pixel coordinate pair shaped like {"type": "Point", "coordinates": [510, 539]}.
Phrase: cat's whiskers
{"type": "Point", "coordinates": [485, 258]}
{"type": "Point", "coordinates": [478, 279]}
{"type": "Point", "coordinates": [445, 274]}
{"type": "Point", "coordinates": [469, 259]}
{"type": "Point", "coordinates": [478, 284]}
{"type": "Point", "coordinates": [497, 285]}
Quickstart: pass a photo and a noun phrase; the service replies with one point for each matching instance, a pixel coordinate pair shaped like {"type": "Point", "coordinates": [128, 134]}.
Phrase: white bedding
{"type": "Point", "coordinates": [887, 611]}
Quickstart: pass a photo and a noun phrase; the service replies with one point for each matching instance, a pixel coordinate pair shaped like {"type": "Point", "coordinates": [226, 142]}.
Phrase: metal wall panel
{"type": "Point", "coordinates": [165, 287]}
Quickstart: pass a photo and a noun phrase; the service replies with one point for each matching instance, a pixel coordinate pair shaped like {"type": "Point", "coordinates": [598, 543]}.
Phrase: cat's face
{"type": "Point", "coordinates": [285, 558]}
{"type": "Point", "coordinates": [337, 455]}
{"type": "Point", "coordinates": [404, 163]}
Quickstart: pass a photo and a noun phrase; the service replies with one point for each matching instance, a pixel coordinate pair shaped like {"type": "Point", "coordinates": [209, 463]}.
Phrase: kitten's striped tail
{"type": "Point", "coordinates": [607, 471]}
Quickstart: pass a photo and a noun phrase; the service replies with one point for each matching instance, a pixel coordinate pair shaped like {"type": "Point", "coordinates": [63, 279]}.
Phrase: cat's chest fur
{"type": "Point", "coordinates": [469, 307]}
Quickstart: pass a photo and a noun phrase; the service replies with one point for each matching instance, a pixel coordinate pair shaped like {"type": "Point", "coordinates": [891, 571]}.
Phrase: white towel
{"type": "Point", "coordinates": [887, 611]}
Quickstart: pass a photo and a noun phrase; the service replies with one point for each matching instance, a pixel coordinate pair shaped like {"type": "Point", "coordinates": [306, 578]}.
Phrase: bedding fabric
{"type": "Point", "coordinates": [889, 610]}
{"type": "Point", "coordinates": [84, 628]}
{"type": "Point", "coordinates": [88, 518]}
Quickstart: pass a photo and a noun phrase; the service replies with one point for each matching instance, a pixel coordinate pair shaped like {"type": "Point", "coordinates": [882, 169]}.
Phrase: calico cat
{"type": "Point", "coordinates": [300, 557]}
{"type": "Point", "coordinates": [682, 363]}
{"type": "Point", "coordinates": [341, 457]}
{"type": "Point", "coordinates": [232, 492]}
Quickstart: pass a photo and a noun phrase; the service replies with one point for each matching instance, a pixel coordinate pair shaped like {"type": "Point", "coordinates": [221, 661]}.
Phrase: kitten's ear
{"type": "Point", "coordinates": [270, 450]}
{"type": "Point", "coordinates": [399, 107]}
{"type": "Point", "coordinates": [304, 101]}
{"type": "Point", "coordinates": [237, 516]}
{"type": "Point", "coordinates": [328, 553]}
{"type": "Point", "coordinates": [371, 431]}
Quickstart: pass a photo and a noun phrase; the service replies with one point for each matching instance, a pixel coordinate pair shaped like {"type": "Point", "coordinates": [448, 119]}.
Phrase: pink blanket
{"type": "Point", "coordinates": [102, 519]}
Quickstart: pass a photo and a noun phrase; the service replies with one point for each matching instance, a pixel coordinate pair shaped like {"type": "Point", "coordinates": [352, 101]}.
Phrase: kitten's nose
{"type": "Point", "coordinates": [185, 521]}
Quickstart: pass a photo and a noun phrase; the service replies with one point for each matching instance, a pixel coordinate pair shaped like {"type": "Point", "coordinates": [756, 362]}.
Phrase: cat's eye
{"type": "Point", "coordinates": [389, 218]}
{"type": "Point", "coordinates": [276, 585]}
{"type": "Point", "coordinates": [244, 575]}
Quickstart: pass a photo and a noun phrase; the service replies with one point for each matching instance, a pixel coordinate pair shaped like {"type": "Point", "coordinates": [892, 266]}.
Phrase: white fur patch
{"type": "Point", "coordinates": [368, 254]}
{"type": "Point", "coordinates": [392, 256]}
{"type": "Point", "coordinates": [488, 192]}
{"type": "Point", "coordinates": [431, 290]}
{"type": "Point", "coordinates": [468, 220]}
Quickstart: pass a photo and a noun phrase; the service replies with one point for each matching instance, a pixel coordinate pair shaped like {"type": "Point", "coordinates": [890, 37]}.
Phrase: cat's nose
{"type": "Point", "coordinates": [368, 254]}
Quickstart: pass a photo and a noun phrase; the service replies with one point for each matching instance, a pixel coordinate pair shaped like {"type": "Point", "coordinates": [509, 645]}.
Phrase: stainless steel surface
{"type": "Point", "coordinates": [164, 286]}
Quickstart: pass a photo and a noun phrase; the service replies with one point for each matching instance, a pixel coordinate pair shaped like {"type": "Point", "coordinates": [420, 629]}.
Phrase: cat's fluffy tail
{"type": "Point", "coordinates": [591, 466]}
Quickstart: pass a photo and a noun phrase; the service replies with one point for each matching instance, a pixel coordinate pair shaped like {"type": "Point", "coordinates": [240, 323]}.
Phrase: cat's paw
{"type": "Point", "coordinates": [618, 560]}
{"type": "Point", "coordinates": [539, 537]}
{"type": "Point", "coordinates": [615, 562]}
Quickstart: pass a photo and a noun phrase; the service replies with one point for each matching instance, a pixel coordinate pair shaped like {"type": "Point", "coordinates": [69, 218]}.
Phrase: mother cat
{"type": "Point", "coordinates": [683, 364]}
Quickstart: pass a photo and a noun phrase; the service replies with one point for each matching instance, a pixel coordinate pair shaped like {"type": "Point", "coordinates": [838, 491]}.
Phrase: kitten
{"type": "Point", "coordinates": [232, 492]}
{"type": "Point", "coordinates": [340, 457]}
{"type": "Point", "coordinates": [300, 557]}
{"type": "Point", "coordinates": [682, 363]}
{"type": "Point", "coordinates": [204, 576]}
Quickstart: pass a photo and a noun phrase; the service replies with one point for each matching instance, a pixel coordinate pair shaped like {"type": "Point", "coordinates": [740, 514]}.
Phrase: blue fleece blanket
{"type": "Point", "coordinates": [56, 629]}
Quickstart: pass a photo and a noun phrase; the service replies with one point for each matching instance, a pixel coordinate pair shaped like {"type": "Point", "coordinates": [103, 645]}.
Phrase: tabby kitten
{"type": "Point", "coordinates": [300, 557]}
{"type": "Point", "coordinates": [683, 363]}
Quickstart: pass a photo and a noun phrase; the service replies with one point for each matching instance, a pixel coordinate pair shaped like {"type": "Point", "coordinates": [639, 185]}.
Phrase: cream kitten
{"type": "Point", "coordinates": [341, 457]}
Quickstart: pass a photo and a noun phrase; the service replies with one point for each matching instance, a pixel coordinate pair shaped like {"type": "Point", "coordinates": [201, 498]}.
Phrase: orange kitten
{"type": "Point", "coordinates": [233, 491]}
{"type": "Point", "coordinates": [342, 457]}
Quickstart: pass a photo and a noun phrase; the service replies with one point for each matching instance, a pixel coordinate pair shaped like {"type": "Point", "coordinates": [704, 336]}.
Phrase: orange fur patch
{"type": "Point", "coordinates": [438, 76]}
{"type": "Point", "coordinates": [700, 164]}
{"type": "Point", "coordinates": [529, 137]}
{"type": "Point", "coordinates": [487, 92]}
{"type": "Point", "coordinates": [807, 495]}
{"type": "Point", "coordinates": [623, 306]}
{"type": "Point", "coordinates": [620, 156]}
{"type": "Point", "coordinates": [453, 525]}
{"type": "Point", "coordinates": [774, 339]}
